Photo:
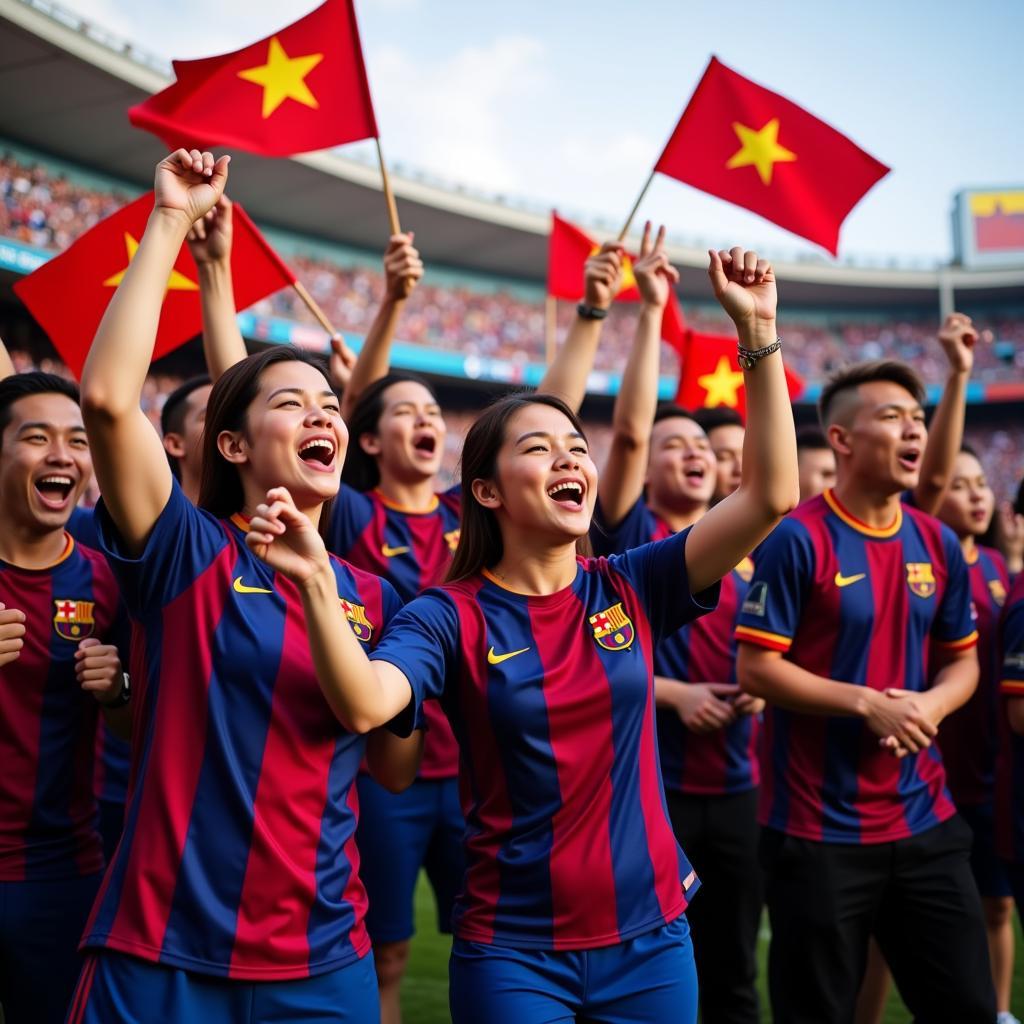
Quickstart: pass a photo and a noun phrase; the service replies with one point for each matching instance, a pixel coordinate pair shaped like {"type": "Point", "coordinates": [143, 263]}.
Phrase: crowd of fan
{"type": "Point", "coordinates": [46, 210]}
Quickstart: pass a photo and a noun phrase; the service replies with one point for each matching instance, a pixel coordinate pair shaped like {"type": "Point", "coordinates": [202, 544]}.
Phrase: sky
{"type": "Point", "coordinates": [568, 103]}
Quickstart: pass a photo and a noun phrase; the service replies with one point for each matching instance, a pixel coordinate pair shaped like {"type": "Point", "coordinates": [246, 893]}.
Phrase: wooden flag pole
{"type": "Point", "coordinates": [314, 308]}
{"type": "Point", "coordinates": [389, 196]}
{"type": "Point", "coordinates": [636, 206]}
{"type": "Point", "coordinates": [550, 325]}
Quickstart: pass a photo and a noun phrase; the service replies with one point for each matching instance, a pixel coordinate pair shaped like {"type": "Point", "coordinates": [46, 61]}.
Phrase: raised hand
{"type": "Point", "coordinates": [655, 276]}
{"type": "Point", "coordinates": [744, 285]}
{"type": "Point", "coordinates": [98, 669]}
{"type": "Point", "coordinates": [958, 336]}
{"type": "Point", "coordinates": [209, 238]}
{"type": "Point", "coordinates": [190, 183]}
{"type": "Point", "coordinates": [403, 267]}
{"type": "Point", "coordinates": [286, 539]}
{"type": "Point", "coordinates": [341, 363]}
{"type": "Point", "coordinates": [12, 629]}
{"type": "Point", "coordinates": [602, 275]}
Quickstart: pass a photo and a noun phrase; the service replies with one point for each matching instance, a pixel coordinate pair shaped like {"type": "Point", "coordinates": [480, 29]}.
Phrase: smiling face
{"type": "Point", "coordinates": [681, 470]}
{"type": "Point", "coordinates": [968, 505]}
{"type": "Point", "coordinates": [293, 436]}
{"type": "Point", "coordinates": [885, 439]}
{"type": "Point", "coordinates": [409, 440]}
{"type": "Point", "coordinates": [44, 462]}
{"type": "Point", "coordinates": [545, 481]}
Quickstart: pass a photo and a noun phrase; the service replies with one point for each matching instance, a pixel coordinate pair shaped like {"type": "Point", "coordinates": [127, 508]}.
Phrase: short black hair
{"type": "Point", "coordinates": [718, 416]}
{"type": "Point", "coordinates": [669, 410]}
{"type": "Point", "coordinates": [853, 376]}
{"type": "Point", "coordinates": [811, 438]}
{"type": "Point", "coordinates": [21, 385]}
{"type": "Point", "coordinates": [1018, 505]}
{"type": "Point", "coordinates": [172, 415]}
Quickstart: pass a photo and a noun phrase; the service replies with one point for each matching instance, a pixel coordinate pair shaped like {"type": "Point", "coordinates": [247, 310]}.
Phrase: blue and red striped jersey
{"type": "Point", "coordinates": [568, 840]}
{"type": "Point", "coordinates": [113, 754]}
{"type": "Point", "coordinates": [1010, 764]}
{"type": "Point", "coordinates": [969, 738]}
{"type": "Point", "coordinates": [238, 856]}
{"type": "Point", "coordinates": [47, 722]}
{"type": "Point", "coordinates": [859, 605]}
{"type": "Point", "coordinates": [412, 551]}
{"type": "Point", "coordinates": [703, 651]}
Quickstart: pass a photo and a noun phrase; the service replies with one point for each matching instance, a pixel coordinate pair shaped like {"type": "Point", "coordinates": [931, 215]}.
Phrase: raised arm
{"type": "Point", "coordinates": [745, 286]}
{"type": "Point", "coordinates": [209, 241]}
{"type": "Point", "coordinates": [567, 375]}
{"type": "Point", "coordinates": [362, 694]}
{"type": "Point", "coordinates": [403, 269]}
{"type": "Point", "coordinates": [6, 365]}
{"type": "Point", "coordinates": [946, 430]}
{"type": "Point", "coordinates": [622, 479]}
{"type": "Point", "coordinates": [127, 455]}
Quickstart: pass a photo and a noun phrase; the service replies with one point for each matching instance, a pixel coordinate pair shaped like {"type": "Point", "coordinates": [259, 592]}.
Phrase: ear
{"type": "Point", "coordinates": [231, 445]}
{"type": "Point", "coordinates": [486, 494]}
{"type": "Point", "coordinates": [370, 443]}
{"type": "Point", "coordinates": [838, 437]}
{"type": "Point", "coordinates": [174, 445]}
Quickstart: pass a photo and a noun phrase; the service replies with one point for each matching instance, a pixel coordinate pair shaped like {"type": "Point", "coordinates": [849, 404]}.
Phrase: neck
{"type": "Point", "coordinates": [677, 518]}
{"type": "Point", "coordinates": [874, 507]}
{"type": "Point", "coordinates": [28, 548]}
{"type": "Point", "coordinates": [535, 568]}
{"type": "Point", "coordinates": [413, 495]}
{"type": "Point", "coordinates": [190, 485]}
{"type": "Point", "coordinates": [968, 544]}
{"type": "Point", "coordinates": [253, 501]}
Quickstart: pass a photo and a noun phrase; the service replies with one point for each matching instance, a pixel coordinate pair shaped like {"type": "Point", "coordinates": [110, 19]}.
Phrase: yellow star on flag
{"type": "Point", "coordinates": [283, 78]}
{"type": "Point", "coordinates": [760, 149]}
{"type": "Point", "coordinates": [722, 385]}
{"type": "Point", "coordinates": [177, 282]}
{"type": "Point", "coordinates": [628, 277]}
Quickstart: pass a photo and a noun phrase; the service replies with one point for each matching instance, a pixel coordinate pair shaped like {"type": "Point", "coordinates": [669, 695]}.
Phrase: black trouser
{"type": "Point", "coordinates": [719, 835]}
{"type": "Point", "coordinates": [916, 895]}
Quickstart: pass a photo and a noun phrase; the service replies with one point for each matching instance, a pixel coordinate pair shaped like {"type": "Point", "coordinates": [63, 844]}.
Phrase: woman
{"type": "Point", "coordinates": [575, 887]}
{"type": "Point", "coordinates": [969, 738]}
{"type": "Point", "coordinates": [234, 894]}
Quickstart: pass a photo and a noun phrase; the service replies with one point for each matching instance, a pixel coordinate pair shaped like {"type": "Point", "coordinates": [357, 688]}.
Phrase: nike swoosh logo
{"type": "Point", "coordinates": [389, 552]}
{"type": "Point", "coordinates": [241, 588]}
{"type": "Point", "coordinates": [845, 581]}
{"type": "Point", "coordinates": [497, 659]}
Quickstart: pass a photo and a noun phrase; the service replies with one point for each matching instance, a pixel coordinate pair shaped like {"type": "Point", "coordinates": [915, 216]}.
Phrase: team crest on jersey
{"type": "Point", "coordinates": [998, 592]}
{"type": "Point", "coordinates": [74, 620]}
{"type": "Point", "coordinates": [451, 538]}
{"type": "Point", "coordinates": [920, 578]}
{"type": "Point", "coordinates": [613, 629]}
{"type": "Point", "coordinates": [745, 569]}
{"type": "Point", "coordinates": [356, 615]}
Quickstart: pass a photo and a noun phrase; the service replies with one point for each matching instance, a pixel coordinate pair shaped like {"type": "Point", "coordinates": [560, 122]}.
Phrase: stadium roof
{"type": "Point", "coordinates": [69, 86]}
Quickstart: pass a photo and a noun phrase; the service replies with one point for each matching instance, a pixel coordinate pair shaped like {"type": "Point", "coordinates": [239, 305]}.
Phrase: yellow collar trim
{"type": "Point", "coordinates": [859, 525]}
{"type": "Point", "coordinates": [394, 506]}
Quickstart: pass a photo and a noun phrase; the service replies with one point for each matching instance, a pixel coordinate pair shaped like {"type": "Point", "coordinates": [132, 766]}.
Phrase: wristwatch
{"type": "Point", "coordinates": [748, 357]}
{"type": "Point", "coordinates": [123, 697]}
{"type": "Point", "coordinates": [585, 312]}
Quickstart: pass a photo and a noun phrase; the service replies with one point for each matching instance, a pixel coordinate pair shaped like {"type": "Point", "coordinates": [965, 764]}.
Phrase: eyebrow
{"type": "Point", "coordinates": [546, 435]}
{"type": "Point", "coordinates": [40, 425]}
{"type": "Point", "coordinates": [897, 407]}
{"type": "Point", "coordinates": [326, 393]}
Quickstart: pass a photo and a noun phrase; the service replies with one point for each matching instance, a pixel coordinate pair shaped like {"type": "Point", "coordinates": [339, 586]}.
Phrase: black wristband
{"type": "Point", "coordinates": [123, 697]}
{"type": "Point", "coordinates": [585, 312]}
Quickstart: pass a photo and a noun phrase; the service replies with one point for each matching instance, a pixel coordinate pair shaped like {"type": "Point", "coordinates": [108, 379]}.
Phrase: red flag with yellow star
{"type": "Point", "coordinates": [752, 147]}
{"type": "Point", "coordinates": [302, 89]}
{"type": "Point", "coordinates": [710, 374]}
{"type": "Point", "coordinates": [569, 248]}
{"type": "Point", "coordinates": [68, 295]}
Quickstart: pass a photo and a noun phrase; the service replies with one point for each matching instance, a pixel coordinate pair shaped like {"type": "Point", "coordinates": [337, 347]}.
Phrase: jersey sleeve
{"type": "Point", "coordinates": [657, 572]}
{"type": "Point", "coordinates": [955, 626]}
{"type": "Point", "coordinates": [183, 542]}
{"type": "Point", "coordinates": [783, 571]}
{"type": "Point", "coordinates": [350, 515]}
{"type": "Point", "coordinates": [1011, 633]}
{"type": "Point", "coordinates": [632, 532]}
{"type": "Point", "coordinates": [422, 643]}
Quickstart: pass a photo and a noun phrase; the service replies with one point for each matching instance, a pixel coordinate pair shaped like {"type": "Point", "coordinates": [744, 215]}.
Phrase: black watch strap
{"type": "Point", "coordinates": [585, 312]}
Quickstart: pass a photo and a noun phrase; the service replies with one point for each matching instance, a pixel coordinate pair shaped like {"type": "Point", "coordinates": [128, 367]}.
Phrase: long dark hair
{"type": "Point", "coordinates": [480, 542]}
{"type": "Point", "coordinates": [361, 471]}
{"type": "Point", "coordinates": [220, 483]}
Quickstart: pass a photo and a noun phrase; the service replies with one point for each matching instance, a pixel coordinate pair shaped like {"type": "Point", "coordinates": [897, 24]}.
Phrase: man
{"type": "Point", "coordinates": [816, 461]}
{"type": "Point", "coordinates": [858, 830]}
{"type": "Point", "coordinates": [58, 604]}
{"type": "Point", "coordinates": [724, 427]}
